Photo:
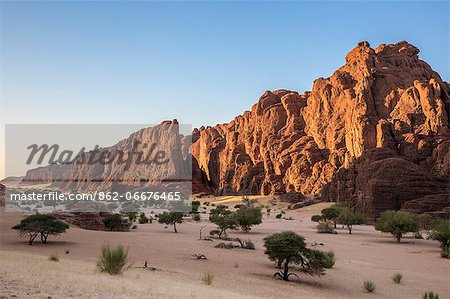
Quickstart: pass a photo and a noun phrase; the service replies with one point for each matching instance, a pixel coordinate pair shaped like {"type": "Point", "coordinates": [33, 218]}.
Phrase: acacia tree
{"type": "Point", "coordinates": [331, 213]}
{"type": "Point", "coordinates": [247, 216]}
{"type": "Point", "coordinates": [223, 218]}
{"type": "Point", "coordinates": [40, 224]}
{"type": "Point", "coordinates": [397, 223]}
{"type": "Point", "coordinates": [171, 218]}
{"type": "Point", "coordinates": [288, 248]}
{"type": "Point", "coordinates": [348, 217]}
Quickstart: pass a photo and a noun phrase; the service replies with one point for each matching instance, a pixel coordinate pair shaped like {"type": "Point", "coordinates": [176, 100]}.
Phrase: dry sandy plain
{"type": "Point", "coordinates": [25, 271]}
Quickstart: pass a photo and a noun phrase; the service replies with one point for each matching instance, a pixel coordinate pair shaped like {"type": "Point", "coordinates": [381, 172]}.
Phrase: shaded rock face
{"type": "Point", "coordinates": [385, 101]}
{"type": "Point", "coordinates": [2, 195]}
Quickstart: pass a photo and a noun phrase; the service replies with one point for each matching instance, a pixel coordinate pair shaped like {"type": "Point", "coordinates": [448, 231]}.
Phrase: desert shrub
{"type": "Point", "coordinates": [208, 278]}
{"type": "Point", "coordinates": [430, 295]}
{"type": "Point", "coordinates": [325, 227]}
{"type": "Point", "coordinates": [247, 244]}
{"type": "Point", "coordinates": [441, 232]}
{"type": "Point", "coordinates": [397, 278]}
{"type": "Point", "coordinates": [223, 218]}
{"type": "Point", "coordinates": [195, 205]}
{"type": "Point", "coordinates": [247, 216]}
{"type": "Point", "coordinates": [134, 226]}
{"type": "Point", "coordinates": [142, 218]}
{"type": "Point", "coordinates": [397, 223]}
{"type": "Point", "coordinates": [116, 222]}
{"type": "Point", "coordinates": [225, 245]}
{"type": "Point", "coordinates": [113, 260]}
{"type": "Point", "coordinates": [196, 217]}
{"type": "Point", "coordinates": [445, 253]}
{"type": "Point", "coordinates": [67, 251]}
{"type": "Point", "coordinates": [53, 258]}
{"type": "Point", "coordinates": [278, 216]}
{"type": "Point", "coordinates": [287, 248]}
{"type": "Point", "coordinates": [132, 216]}
{"type": "Point", "coordinates": [369, 286]}
{"type": "Point", "coordinates": [328, 259]}
{"type": "Point", "coordinates": [316, 218]}
{"type": "Point", "coordinates": [40, 224]}
{"type": "Point", "coordinates": [171, 218]}
{"type": "Point", "coordinates": [348, 217]}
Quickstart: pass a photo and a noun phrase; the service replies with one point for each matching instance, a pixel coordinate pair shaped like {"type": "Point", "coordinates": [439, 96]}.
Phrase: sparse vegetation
{"type": "Point", "coordinates": [247, 244]}
{"type": "Point", "coordinates": [116, 222]}
{"type": "Point", "coordinates": [369, 286]}
{"type": "Point", "coordinates": [208, 278]}
{"type": "Point", "coordinates": [223, 218]}
{"type": "Point", "coordinates": [430, 295]}
{"type": "Point", "coordinates": [171, 218]}
{"type": "Point", "coordinates": [441, 232]}
{"type": "Point", "coordinates": [113, 260]}
{"type": "Point", "coordinates": [53, 258]}
{"type": "Point", "coordinates": [196, 217]}
{"type": "Point", "coordinates": [328, 259]}
{"type": "Point", "coordinates": [397, 278]}
{"type": "Point", "coordinates": [279, 215]}
{"type": "Point", "coordinates": [397, 223]}
{"type": "Point", "coordinates": [287, 248]}
{"type": "Point", "coordinates": [348, 217]}
{"type": "Point", "coordinates": [143, 218]}
{"type": "Point", "coordinates": [325, 227]}
{"type": "Point", "coordinates": [40, 224]}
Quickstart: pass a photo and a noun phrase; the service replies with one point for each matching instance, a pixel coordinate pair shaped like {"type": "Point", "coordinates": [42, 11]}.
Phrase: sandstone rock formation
{"type": "Point", "coordinates": [375, 133]}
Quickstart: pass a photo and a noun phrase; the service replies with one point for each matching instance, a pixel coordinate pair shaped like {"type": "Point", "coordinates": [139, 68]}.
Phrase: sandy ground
{"type": "Point", "coordinates": [25, 271]}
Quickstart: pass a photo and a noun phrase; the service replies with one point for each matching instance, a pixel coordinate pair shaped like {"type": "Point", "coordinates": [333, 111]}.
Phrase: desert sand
{"type": "Point", "coordinates": [25, 271]}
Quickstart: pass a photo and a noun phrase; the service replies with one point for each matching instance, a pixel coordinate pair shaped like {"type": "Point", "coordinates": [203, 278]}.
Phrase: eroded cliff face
{"type": "Point", "coordinates": [384, 98]}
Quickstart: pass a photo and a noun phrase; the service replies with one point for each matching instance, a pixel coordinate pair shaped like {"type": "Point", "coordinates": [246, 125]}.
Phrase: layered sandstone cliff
{"type": "Point", "coordinates": [375, 134]}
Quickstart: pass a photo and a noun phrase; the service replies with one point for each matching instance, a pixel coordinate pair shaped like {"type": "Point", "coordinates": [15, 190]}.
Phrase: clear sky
{"type": "Point", "coordinates": [200, 62]}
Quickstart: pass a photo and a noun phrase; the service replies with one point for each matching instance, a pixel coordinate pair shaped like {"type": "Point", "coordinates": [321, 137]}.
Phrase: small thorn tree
{"type": "Point", "coordinates": [397, 223]}
{"type": "Point", "coordinates": [348, 217]}
{"type": "Point", "coordinates": [171, 218]}
{"type": "Point", "coordinates": [288, 248]}
{"type": "Point", "coordinates": [40, 224]}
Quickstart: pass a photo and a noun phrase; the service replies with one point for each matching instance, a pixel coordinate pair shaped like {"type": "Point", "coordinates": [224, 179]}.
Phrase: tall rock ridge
{"type": "Point", "coordinates": [374, 134]}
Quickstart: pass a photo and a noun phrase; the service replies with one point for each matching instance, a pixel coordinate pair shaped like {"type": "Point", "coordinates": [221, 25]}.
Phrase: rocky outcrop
{"type": "Point", "coordinates": [84, 220]}
{"type": "Point", "coordinates": [385, 101]}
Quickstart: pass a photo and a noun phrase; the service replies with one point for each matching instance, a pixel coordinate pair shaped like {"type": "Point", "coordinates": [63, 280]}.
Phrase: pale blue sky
{"type": "Point", "coordinates": [199, 62]}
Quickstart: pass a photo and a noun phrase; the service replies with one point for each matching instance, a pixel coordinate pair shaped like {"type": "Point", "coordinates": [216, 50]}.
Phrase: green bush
{"type": "Point", "coordinates": [441, 232]}
{"type": "Point", "coordinates": [369, 286]}
{"type": "Point", "coordinates": [116, 222]}
{"type": "Point", "coordinates": [142, 218]}
{"type": "Point", "coordinates": [207, 278]}
{"type": "Point", "coordinates": [196, 217]}
{"type": "Point", "coordinates": [430, 295]}
{"type": "Point", "coordinates": [397, 278]}
{"type": "Point", "coordinates": [113, 260]}
{"type": "Point", "coordinates": [328, 259]}
{"type": "Point", "coordinates": [397, 223]}
{"type": "Point", "coordinates": [53, 258]}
